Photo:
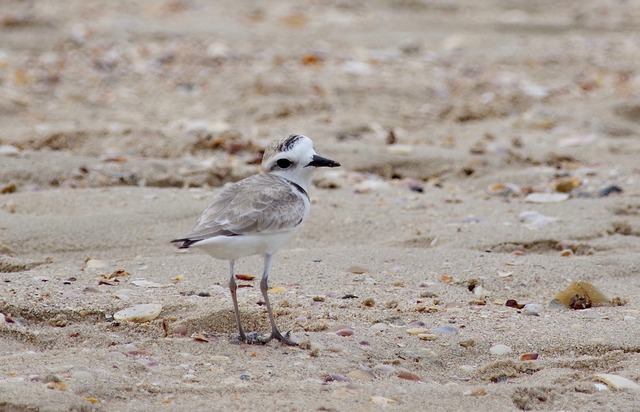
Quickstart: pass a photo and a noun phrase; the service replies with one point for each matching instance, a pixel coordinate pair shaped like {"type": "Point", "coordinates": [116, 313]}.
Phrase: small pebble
{"type": "Point", "coordinates": [336, 348]}
{"type": "Point", "coordinates": [379, 327]}
{"type": "Point", "coordinates": [609, 190]}
{"type": "Point", "coordinates": [369, 302]}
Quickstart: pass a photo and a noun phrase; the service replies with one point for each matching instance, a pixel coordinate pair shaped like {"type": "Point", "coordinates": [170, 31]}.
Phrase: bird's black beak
{"type": "Point", "coordinates": [319, 161]}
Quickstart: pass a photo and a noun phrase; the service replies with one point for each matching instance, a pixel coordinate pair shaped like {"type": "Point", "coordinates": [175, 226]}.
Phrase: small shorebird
{"type": "Point", "coordinates": [259, 214]}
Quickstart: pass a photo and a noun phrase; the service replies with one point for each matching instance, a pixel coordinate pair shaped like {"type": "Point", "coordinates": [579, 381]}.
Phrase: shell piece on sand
{"type": "Point", "coordinates": [500, 349]}
{"type": "Point", "coordinates": [617, 382]}
{"type": "Point", "coordinates": [546, 197]}
{"type": "Point", "coordinates": [139, 313]}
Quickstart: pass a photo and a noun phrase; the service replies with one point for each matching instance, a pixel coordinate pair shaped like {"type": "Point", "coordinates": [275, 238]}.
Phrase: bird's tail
{"type": "Point", "coordinates": [186, 242]}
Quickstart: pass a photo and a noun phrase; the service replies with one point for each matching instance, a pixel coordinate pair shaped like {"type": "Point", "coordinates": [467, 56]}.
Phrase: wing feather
{"type": "Point", "coordinates": [262, 203]}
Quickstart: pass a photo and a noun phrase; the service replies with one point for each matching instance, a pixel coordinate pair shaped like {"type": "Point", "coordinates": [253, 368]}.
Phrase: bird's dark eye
{"type": "Point", "coordinates": [284, 163]}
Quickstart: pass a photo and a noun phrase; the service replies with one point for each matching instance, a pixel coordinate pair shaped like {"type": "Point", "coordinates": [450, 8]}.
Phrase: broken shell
{"type": "Point", "coordinates": [335, 378]}
{"type": "Point", "coordinates": [504, 189]}
{"type": "Point", "coordinates": [384, 369]}
{"type": "Point", "coordinates": [8, 150]}
{"type": "Point", "coordinates": [512, 303]}
{"type": "Point", "coordinates": [201, 337]}
{"type": "Point", "coordinates": [445, 330]}
{"type": "Point", "coordinates": [148, 284]}
{"type": "Point", "coordinates": [417, 331]}
{"type": "Point", "coordinates": [546, 197]}
{"type": "Point", "coordinates": [94, 264]}
{"type": "Point", "coordinates": [344, 332]}
{"type": "Point", "coordinates": [278, 289]}
{"type": "Point", "coordinates": [617, 382]}
{"type": "Point", "coordinates": [532, 309]}
{"type": "Point", "coordinates": [467, 343]}
{"type": "Point", "coordinates": [362, 375]}
{"type": "Point", "coordinates": [528, 356]}
{"type": "Point", "coordinates": [53, 382]}
{"type": "Point", "coordinates": [479, 392]}
{"type": "Point", "coordinates": [381, 400]}
{"type": "Point", "coordinates": [406, 375]}
{"type": "Point", "coordinates": [400, 149]}
{"type": "Point", "coordinates": [480, 291]}
{"type": "Point", "coordinates": [139, 313]}
{"type": "Point", "coordinates": [428, 336]}
{"type": "Point", "coordinates": [240, 276]}
{"type": "Point", "coordinates": [500, 349]}
{"type": "Point", "coordinates": [567, 185]}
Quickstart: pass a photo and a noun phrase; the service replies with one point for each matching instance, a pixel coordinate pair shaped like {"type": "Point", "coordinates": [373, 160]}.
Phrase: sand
{"type": "Point", "coordinates": [119, 120]}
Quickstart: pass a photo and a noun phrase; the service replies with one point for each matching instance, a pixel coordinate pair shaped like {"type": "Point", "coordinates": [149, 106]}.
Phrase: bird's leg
{"type": "Point", "coordinates": [233, 287]}
{"type": "Point", "coordinates": [264, 288]}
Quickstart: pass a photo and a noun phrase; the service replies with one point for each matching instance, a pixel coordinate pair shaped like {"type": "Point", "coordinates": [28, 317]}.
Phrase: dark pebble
{"type": "Point", "coordinates": [610, 190]}
{"type": "Point", "coordinates": [204, 294]}
{"type": "Point", "coordinates": [349, 296]}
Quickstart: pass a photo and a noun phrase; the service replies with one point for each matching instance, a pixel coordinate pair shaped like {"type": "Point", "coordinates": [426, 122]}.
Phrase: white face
{"type": "Point", "coordinates": [290, 160]}
{"type": "Point", "coordinates": [294, 159]}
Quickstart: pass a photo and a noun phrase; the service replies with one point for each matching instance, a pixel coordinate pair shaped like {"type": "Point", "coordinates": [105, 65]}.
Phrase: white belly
{"type": "Point", "coordinates": [234, 247]}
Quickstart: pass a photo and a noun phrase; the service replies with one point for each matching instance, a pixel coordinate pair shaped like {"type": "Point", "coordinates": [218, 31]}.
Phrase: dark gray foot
{"type": "Point", "coordinates": [284, 339]}
{"type": "Point", "coordinates": [254, 338]}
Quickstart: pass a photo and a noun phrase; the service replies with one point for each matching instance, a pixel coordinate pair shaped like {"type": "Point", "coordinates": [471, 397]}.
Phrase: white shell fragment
{"type": "Point", "coordinates": [95, 264]}
{"type": "Point", "coordinates": [617, 382]}
{"type": "Point", "coordinates": [381, 400]}
{"type": "Point", "coordinates": [546, 197]}
{"type": "Point", "coordinates": [8, 150]}
{"type": "Point", "coordinates": [535, 220]}
{"type": "Point", "coordinates": [148, 284]}
{"type": "Point", "coordinates": [532, 309]}
{"type": "Point", "coordinates": [500, 349]}
{"type": "Point", "coordinates": [139, 313]}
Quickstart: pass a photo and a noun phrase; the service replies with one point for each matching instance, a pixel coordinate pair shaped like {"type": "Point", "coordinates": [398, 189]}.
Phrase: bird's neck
{"type": "Point", "coordinates": [301, 179]}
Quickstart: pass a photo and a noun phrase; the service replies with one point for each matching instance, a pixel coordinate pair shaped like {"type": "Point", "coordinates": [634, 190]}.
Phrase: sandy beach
{"type": "Point", "coordinates": [490, 159]}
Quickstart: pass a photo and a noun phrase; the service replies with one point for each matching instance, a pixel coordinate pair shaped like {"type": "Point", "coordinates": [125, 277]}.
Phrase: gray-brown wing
{"type": "Point", "coordinates": [258, 204]}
